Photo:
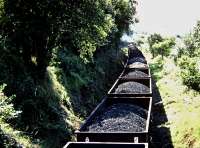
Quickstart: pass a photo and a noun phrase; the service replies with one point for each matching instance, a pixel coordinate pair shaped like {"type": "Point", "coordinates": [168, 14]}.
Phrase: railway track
{"type": "Point", "coordinates": [123, 118]}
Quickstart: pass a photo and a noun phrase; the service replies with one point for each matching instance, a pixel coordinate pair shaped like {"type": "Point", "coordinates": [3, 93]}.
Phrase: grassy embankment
{"type": "Point", "coordinates": [181, 104]}
{"type": "Point", "coordinates": [54, 108]}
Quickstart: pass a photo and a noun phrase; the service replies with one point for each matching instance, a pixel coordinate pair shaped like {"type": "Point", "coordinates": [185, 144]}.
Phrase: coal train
{"type": "Point", "coordinates": [123, 117]}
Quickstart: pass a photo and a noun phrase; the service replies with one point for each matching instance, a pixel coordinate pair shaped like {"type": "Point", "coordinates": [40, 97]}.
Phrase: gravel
{"type": "Point", "coordinates": [137, 65]}
{"type": "Point", "coordinates": [131, 87]}
{"type": "Point", "coordinates": [135, 74]}
{"type": "Point", "coordinates": [120, 117]}
{"type": "Point", "coordinates": [137, 59]}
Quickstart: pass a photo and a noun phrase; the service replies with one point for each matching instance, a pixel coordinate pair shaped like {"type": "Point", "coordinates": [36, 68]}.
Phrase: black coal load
{"type": "Point", "coordinates": [137, 59]}
{"type": "Point", "coordinates": [135, 74]}
{"type": "Point", "coordinates": [137, 65]}
{"type": "Point", "coordinates": [135, 52]}
{"type": "Point", "coordinates": [120, 117]}
{"type": "Point", "coordinates": [132, 88]}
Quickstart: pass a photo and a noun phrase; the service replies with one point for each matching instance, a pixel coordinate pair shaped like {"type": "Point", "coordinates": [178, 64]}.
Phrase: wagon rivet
{"type": "Point", "coordinates": [87, 139]}
{"type": "Point", "coordinates": [136, 140]}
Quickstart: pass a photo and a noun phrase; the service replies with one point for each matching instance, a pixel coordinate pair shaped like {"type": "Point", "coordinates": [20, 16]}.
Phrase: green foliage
{"type": "Point", "coordinates": [156, 67]}
{"type": "Point", "coordinates": [163, 48]}
{"type": "Point", "coordinates": [1, 7]}
{"type": "Point", "coordinates": [86, 82]}
{"type": "Point", "coordinates": [153, 39]}
{"type": "Point", "coordinates": [190, 72]}
{"type": "Point", "coordinates": [159, 45]}
{"type": "Point", "coordinates": [76, 41]}
{"type": "Point", "coordinates": [7, 110]}
{"type": "Point", "coordinates": [71, 65]}
{"type": "Point", "coordinates": [196, 35]}
{"type": "Point", "coordinates": [189, 46]}
{"type": "Point", "coordinates": [125, 51]}
{"type": "Point", "coordinates": [124, 11]}
{"type": "Point", "coordinates": [71, 89]}
{"type": "Point", "coordinates": [192, 43]}
{"type": "Point", "coordinates": [35, 28]}
{"type": "Point", "coordinates": [140, 42]}
{"type": "Point", "coordinates": [189, 58]}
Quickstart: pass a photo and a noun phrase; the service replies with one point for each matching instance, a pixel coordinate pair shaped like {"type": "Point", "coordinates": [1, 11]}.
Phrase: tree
{"type": "Point", "coordinates": [163, 48]}
{"type": "Point", "coordinates": [189, 45]}
{"type": "Point", "coordinates": [153, 39]}
{"type": "Point", "coordinates": [34, 28]}
{"type": "Point", "coordinates": [190, 72]}
{"type": "Point", "coordinates": [189, 59]}
{"type": "Point", "coordinates": [196, 35]}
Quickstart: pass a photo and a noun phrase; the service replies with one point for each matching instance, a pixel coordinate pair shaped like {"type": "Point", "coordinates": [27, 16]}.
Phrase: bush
{"type": "Point", "coordinates": [157, 67]}
{"type": "Point", "coordinates": [159, 45]}
{"type": "Point", "coordinates": [190, 72]}
{"type": "Point", "coordinates": [7, 110]}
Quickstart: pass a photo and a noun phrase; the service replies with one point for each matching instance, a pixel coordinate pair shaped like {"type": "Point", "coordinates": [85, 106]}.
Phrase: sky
{"type": "Point", "coordinates": [167, 17]}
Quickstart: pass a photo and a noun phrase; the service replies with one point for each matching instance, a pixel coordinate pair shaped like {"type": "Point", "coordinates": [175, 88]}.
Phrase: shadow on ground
{"type": "Point", "coordinates": [160, 135]}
